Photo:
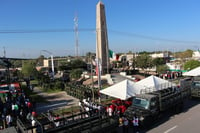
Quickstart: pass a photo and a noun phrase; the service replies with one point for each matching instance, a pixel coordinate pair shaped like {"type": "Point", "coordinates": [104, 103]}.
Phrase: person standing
{"type": "Point", "coordinates": [110, 111]}
{"type": "Point", "coordinates": [135, 124]}
{"type": "Point", "coordinates": [57, 123]}
{"type": "Point", "coordinates": [33, 123]}
{"type": "Point", "coordinates": [9, 120]}
{"type": "Point", "coordinates": [125, 125]}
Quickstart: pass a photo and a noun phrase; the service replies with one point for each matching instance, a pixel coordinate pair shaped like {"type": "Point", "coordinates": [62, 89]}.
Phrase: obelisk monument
{"type": "Point", "coordinates": [102, 38]}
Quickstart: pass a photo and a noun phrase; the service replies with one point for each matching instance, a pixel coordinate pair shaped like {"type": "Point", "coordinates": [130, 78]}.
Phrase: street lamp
{"type": "Point", "coordinates": [52, 64]}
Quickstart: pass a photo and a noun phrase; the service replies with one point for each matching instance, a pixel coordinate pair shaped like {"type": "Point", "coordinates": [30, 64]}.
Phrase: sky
{"type": "Point", "coordinates": [133, 25]}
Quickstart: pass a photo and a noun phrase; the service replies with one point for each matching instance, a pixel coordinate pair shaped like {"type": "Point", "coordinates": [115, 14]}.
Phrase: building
{"type": "Point", "coordinates": [160, 55]}
{"type": "Point", "coordinates": [102, 38]}
{"type": "Point", "coordinates": [196, 55]}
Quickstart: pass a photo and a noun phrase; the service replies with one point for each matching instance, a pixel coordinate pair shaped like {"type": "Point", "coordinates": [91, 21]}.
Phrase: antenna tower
{"type": "Point", "coordinates": [76, 34]}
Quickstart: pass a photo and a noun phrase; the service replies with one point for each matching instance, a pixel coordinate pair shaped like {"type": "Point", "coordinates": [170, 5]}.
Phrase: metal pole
{"type": "Point", "coordinates": [92, 79]}
{"type": "Point", "coordinates": [52, 64]}
{"type": "Point", "coordinates": [99, 78]}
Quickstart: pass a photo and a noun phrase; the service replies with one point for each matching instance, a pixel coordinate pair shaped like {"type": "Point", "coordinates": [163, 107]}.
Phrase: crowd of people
{"type": "Point", "coordinates": [86, 105]}
{"type": "Point", "coordinates": [15, 104]}
{"type": "Point", "coordinates": [128, 125]}
{"type": "Point", "coordinates": [116, 107]}
{"type": "Point", "coordinates": [170, 75]}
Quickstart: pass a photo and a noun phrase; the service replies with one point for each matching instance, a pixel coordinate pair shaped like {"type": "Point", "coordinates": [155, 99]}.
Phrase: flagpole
{"type": "Point", "coordinates": [99, 77]}
{"type": "Point", "coordinates": [92, 79]}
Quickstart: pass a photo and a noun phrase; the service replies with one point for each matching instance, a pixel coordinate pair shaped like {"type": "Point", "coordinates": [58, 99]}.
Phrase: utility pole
{"type": "Point", "coordinates": [76, 34]}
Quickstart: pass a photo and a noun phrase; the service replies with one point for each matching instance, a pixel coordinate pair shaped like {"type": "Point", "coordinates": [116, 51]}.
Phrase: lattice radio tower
{"type": "Point", "coordinates": [76, 34]}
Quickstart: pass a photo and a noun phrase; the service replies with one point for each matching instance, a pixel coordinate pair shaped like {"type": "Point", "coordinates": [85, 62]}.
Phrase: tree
{"type": "Point", "coordinates": [62, 66]}
{"type": "Point", "coordinates": [75, 64]}
{"type": "Point", "coordinates": [78, 63]}
{"type": "Point", "coordinates": [39, 60]}
{"type": "Point", "coordinates": [143, 61]}
{"type": "Point", "coordinates": [158, 61]}
{"type": "Point", "coordinates": [17, 63]}
{"type": "Point", "coordinates": [76, 73]}
{"type": "Point", "coordinates": [184, 56]}
{"type": "Point", "coordinates": [162, 69]}
{"type": "Point", "coordinates": [189, 65]}
{"type": "Point", "coordinates": [89, 56]}
{"type": "Point", "coordinates": [29, 68]}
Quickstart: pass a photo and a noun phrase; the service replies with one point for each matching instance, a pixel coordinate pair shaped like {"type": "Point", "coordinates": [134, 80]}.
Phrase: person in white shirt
{"type": "Point", "coordinates": [9, 120]}
{"type": "Point", "coordinates": [135, 124]}
{"type": "Point", "coordinates": [33, 123]}
{"type": "Point", "coordinates": [125, 125]}
{"type": "Point", "coordinates": [110, 111]}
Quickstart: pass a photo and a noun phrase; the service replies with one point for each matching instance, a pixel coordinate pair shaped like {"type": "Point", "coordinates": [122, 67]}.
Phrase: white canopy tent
{"type": "Point", "coordinates": [122, 90]}
{"type": "Point", "coordinates": [194, 72]}
{"type": "Point", "coordinates": [153, 83]}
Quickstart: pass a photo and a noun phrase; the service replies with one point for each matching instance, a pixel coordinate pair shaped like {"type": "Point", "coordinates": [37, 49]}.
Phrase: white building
{"type": "Point", "coordinates": [196, 55]}
{"type": "Point", "coordinates": [160, 55]}
{"type": "Point", "coordinates": [174, 66]}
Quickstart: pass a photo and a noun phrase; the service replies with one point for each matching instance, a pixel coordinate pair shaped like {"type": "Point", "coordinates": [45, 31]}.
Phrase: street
{"type": "Point", "coordinates": [185, 122]}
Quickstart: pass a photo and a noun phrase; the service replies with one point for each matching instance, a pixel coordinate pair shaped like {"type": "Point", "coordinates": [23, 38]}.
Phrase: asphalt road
{"type": "Point", "coordinates": [184, 122]}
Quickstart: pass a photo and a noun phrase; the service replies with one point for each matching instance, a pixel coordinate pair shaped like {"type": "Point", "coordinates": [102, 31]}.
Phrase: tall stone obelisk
{"type": "Point", "coordinates": [102, 49]}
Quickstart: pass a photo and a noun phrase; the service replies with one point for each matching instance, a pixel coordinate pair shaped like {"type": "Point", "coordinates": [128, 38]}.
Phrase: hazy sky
{"type": "Point", "coordinates": [133, 25]}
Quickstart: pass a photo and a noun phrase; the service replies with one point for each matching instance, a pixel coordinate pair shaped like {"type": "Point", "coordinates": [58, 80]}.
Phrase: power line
{"type": "Point", "coordinates": [40, 31]}
{"type": "Point", "coordinates": [152, 38]}
{"type": "Point", "coordinates": [90, 29]}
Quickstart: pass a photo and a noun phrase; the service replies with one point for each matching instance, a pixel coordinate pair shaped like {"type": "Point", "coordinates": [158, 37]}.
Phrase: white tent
{"type": "Point", "coordinates": [193, 72]}
{"type": "Point", "coordinates": [155, 83]}
{"type": "Point", "coordinates": [122, 90]}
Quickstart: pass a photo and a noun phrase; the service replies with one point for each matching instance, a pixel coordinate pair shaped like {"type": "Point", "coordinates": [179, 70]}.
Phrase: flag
{"type": "Point", "coordinates": [97, 72]}
{"type": "Point", "coordinates": [93, 63]}
{"type": "Point", "coordinates": [98, 67]}
{"type": "Point", "coordinates": [112, 54]}
{"type": "Point", "coordinates": [117, 57]}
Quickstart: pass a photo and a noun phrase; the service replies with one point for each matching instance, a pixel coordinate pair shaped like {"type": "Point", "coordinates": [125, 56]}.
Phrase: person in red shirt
{"type": "Point", "coordinates": [119, 111]}
{"type": "Point", "coordinates": [34, 114]}
{"type": "Point", "coordinates": [123, 108]}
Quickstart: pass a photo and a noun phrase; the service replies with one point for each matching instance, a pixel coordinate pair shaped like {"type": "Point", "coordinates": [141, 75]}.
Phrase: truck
{"type": "Point", "coordinates": [193, 83]}
{"type": "Point", "coordinates": [195, 87]}
{"type": "Point", "coordinates": [148, 107]}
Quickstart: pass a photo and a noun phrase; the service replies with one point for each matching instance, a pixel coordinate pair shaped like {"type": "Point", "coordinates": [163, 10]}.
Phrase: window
{"type": "Point", "coordinates": [144, 103]}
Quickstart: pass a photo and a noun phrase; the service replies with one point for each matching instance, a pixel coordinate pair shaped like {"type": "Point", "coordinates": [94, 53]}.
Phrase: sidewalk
{"type": "Point", "coordinates": [55, 100]}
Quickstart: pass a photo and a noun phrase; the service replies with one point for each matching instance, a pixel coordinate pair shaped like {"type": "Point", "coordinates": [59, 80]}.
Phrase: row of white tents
{"type": "Point", "coordinates": [194, 72]}
{"type": "Point", "coordinates": [127, 88]}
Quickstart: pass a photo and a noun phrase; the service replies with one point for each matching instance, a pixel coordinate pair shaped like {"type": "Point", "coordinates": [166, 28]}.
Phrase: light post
{"type": "Point", "coordinates": [52, 64]}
